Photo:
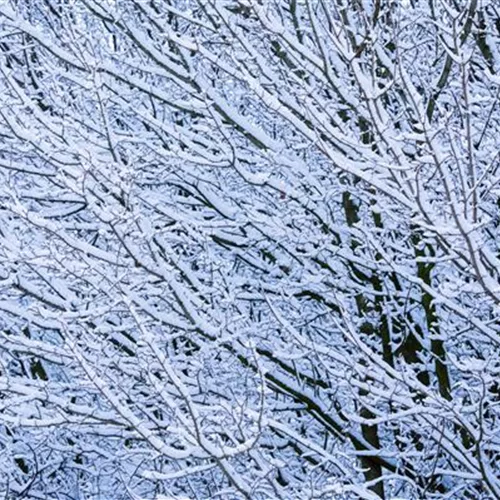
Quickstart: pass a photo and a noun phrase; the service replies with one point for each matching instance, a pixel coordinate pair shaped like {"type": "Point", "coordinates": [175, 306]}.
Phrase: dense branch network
{"type": "Point", "coordinates": [248, 249]}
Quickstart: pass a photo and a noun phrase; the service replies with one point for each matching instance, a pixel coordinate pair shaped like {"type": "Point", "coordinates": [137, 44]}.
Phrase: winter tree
{"type": "Point", "coordinates": [249, 249]}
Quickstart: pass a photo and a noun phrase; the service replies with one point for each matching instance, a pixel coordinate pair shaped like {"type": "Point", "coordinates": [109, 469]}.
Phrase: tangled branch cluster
{"type": "Point", "coordinates": [249, 249]}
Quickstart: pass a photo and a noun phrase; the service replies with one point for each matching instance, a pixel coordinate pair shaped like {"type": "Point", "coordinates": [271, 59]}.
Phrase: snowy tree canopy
{"type": "Point", "coordinates": [250, 249]}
